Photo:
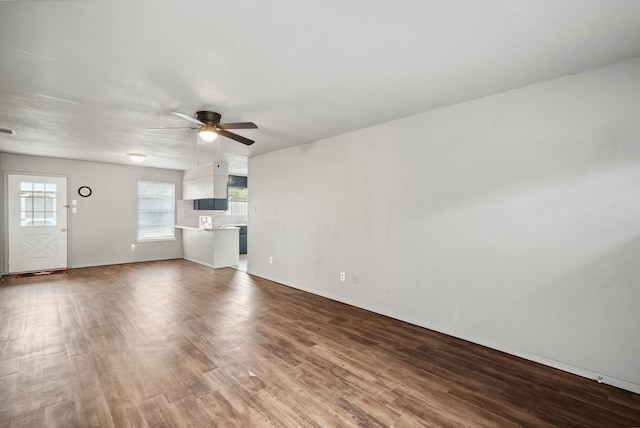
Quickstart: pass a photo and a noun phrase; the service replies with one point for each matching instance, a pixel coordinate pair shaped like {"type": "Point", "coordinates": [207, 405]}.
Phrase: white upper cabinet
{"type": "Point", "coordinates": [201, 188]}
{"type": "Point", "coordinates": [206, 181]}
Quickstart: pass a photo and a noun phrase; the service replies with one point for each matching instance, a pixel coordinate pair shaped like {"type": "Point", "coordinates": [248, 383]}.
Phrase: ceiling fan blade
{"type": "Point", "coordinates": [239, 125]}
{"type": "Point", "coordinates": [236, 137]}
{"type": "Point", "coordinates": [187, 117]}
{"type": "Point", "coordinates": [173, 127]}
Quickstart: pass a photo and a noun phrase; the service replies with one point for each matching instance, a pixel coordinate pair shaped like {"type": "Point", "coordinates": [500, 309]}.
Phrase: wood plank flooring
{"type": "Point", "coordinates": [173, 343]}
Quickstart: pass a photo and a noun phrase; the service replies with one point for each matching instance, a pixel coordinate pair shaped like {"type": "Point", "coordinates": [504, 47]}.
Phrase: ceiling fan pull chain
{"type": "Point", "coordinates": [198, 151]}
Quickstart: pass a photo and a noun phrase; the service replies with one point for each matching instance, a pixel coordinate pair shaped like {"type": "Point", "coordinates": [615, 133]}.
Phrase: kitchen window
{"type": "Point", "coordinates": [238, 195]}
{"type": "Point", "coordinates": [156, 214]}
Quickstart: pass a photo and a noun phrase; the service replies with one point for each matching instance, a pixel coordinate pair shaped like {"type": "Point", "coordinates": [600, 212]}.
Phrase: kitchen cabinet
{"type": "Point", "coordinates": [200, 188]}
{"type": "Point", "coordinates": [243, 239]}
{"type": "Point", "coordinates": [211, 204]}
{"type": "Point", "coordinates": [206, 182]}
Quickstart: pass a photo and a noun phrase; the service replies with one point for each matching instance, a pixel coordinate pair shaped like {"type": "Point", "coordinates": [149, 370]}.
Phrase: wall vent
{"type": "Point", "coordinates": [7, 131]}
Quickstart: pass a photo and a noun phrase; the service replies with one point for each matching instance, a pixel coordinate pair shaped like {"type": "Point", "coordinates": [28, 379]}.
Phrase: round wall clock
{"type": "Point", "coordinates": [84, 191]}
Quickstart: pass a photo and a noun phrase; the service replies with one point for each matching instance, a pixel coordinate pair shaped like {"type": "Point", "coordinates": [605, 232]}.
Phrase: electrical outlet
{"type": "Point", "coordinates": [270, 260]}
{"type": "Point", "coordinates": [343, 276]}
{"type": "Point", "coordinates": [133, 247]}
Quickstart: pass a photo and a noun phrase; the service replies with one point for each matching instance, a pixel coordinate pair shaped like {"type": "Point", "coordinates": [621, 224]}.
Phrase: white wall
{"type": "Point", "coordinates": [105, 226]}
{"type": "Point", "coordinates": [512, 221]}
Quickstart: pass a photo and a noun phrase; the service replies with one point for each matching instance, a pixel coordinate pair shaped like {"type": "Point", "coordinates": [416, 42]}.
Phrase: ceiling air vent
{"type": "Point", "coordinates": [7, 131]}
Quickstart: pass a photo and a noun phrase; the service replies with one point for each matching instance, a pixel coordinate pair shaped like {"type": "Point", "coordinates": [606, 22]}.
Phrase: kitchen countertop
{"type": "Point", "coordinates": [213, 229]}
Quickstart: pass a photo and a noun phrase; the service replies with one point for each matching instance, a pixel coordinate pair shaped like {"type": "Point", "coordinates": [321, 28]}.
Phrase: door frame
{"type": "Point", "coordinates": [4, 194]}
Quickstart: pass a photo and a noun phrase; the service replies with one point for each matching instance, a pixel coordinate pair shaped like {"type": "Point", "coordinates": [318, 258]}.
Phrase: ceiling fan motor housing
{"type": "Point", "coordinates": [208, 117]}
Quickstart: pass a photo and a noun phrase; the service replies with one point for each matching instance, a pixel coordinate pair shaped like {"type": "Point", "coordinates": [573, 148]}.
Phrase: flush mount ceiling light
{"type": "Point", "coordinates": [136, 157]}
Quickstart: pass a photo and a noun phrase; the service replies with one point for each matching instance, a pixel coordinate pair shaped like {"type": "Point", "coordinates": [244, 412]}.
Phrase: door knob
{"type": "Point", "coordinates": [63, 230]}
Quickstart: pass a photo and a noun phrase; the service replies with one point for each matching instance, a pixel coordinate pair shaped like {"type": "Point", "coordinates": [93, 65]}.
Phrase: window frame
{"type": "Point", "coordinates": [172, 215]}
{"type": "Point", "coordinates": [42, 201]}
{"type": "Point", "coordinates": [243, 183]}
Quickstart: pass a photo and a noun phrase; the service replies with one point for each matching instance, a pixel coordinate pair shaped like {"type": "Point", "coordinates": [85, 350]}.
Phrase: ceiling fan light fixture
{"type": "Point", "coordinates": [136, 157]}
{"type": "Point", "coordinates": [210, 126]}
{"type": "Point", "coordinates": [207, 133]}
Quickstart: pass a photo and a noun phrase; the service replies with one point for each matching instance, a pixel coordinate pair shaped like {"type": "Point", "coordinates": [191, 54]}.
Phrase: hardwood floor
{"type": "Point", "coordinates": [173, 343]}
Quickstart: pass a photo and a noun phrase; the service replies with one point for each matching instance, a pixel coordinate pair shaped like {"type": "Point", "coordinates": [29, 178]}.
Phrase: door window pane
{"type": "Point", "coordinates": [37, 204]}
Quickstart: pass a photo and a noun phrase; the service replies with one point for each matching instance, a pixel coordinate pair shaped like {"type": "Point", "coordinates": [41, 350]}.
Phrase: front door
{"type": "Point", "coordinates": [37, 223]}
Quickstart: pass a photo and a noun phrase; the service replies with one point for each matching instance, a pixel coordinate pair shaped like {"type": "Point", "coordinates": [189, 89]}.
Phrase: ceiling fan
{"type": "Point", "coordinates": [210, 127]}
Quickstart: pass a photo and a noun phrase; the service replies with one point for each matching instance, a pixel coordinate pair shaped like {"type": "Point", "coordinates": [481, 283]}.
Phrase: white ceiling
{"type": "Point", "coordinates": [84, 79]}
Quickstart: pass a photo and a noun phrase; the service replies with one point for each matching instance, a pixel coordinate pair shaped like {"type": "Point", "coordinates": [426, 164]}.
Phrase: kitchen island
{"type": "Point", "coordinates": [216, 247]}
